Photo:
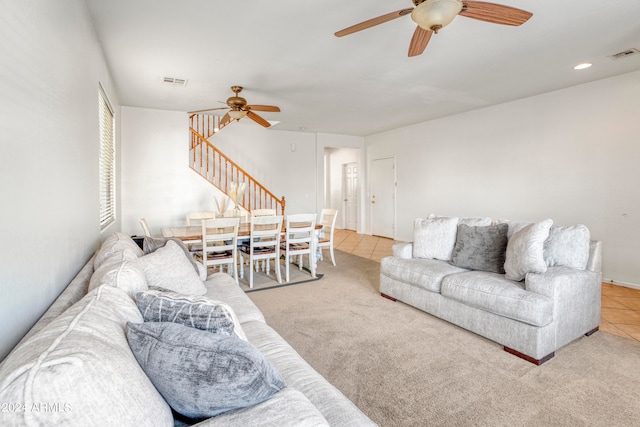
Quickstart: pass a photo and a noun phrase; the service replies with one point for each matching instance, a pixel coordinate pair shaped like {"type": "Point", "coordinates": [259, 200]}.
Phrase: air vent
{"type": "Point", "coordinates": [625, 53]}
{"type": "Point", "coordinates": [174, 81]}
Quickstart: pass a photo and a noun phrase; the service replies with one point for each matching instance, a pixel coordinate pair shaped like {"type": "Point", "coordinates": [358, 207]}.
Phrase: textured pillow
{"type": "Point", "coordinates": [481, 247]}
{"type": "Point", "coordinates": [82, 361]}
{"type": "Point", "coordinates": [113, 245]}
{"type": "Point", "coordinates": [126, 275]}
{"type": "Point", "coordinates": [151, 244]}
{"type": "Point", "coordinates": [525, 250]}
{"type": "Point", "coordinates": [170, 269]}
{"type": "Point", "coordinates": [201, 374]}
{"type": "Point", "coordinates": [434, 237]}
{"type": "Point", "coordinates": [475, 221]}
{"type": "Point", "coordinates": [194, 311]}
{"type": "Point", "coordinates": [568, 247]}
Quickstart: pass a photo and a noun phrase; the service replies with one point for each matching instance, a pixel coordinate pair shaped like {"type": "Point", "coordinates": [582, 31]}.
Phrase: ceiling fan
{"type": "Point", "coordinates": [239, 108]}
{"type": "Point", "coordinates": [433, 15]}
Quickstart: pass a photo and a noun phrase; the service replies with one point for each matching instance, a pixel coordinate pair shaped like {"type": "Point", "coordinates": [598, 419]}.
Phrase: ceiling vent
{"type": "Point", "coordinates": [174, 81]}
{"type": "Point", "coordinates": [624, 53]}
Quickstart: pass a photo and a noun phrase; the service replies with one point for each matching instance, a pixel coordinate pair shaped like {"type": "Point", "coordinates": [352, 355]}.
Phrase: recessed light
{"type": "Point", "coordinates": [582, 66]}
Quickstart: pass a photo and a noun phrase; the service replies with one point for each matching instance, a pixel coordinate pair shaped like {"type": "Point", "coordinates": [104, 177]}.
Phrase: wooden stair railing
{"type": "Point", "coordinates": [213, 165]}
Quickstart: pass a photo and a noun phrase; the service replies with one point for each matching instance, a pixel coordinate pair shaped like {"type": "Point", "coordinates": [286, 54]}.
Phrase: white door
{"type": "Point", "coordinates": [350, 192]}
{"type": "Point", "coordinates": [383, 195]}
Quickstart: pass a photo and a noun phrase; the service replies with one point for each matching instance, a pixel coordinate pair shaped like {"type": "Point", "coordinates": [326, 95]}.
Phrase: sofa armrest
{"type": "Point", "coordinates": [595, 256]}
{"type": "Point", "coordinates": [403, 250]}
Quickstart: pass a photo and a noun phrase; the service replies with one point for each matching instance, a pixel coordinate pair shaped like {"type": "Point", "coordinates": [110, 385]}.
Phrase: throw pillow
{"type": "Point", "coordinates": [113, 245]}
{"type": "Point", "coordinates": [169, 268]}
{"type": "Point", "coordinates": [434, 237]}
{"type": "Point", "coordinates": [568, 246]}
{"type": "Point", "coordinates": [475, 221]}
{"type": "Point", "coordinates": [481, 247]}
{"type": "Point", "coordinates": [201, 374]}
{"type": "Point", "coordinates": [194, 311]}
{"type": "Point", "coordinates": [525, 250]}
{"type": "Point", "coordinates": [151, 244]}
{"type": "Point", "coordinates": [126, 275]}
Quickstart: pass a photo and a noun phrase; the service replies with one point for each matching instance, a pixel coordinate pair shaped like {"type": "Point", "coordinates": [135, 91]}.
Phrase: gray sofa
{"type": "Point", "coordinates": [76, 367]}
{"type": "Point", "coordinates": [531, 303]}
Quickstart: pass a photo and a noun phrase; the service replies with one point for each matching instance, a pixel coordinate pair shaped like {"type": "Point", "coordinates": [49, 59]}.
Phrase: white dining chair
{"type": "Point", "coordinates": [325, 240]}
{"type": "Point", "coordinates": [145, 227]}
{"type": "Point", "coordinates": [220, 244]}
{"type": "Point", "coordinates": [263, 245]}
{"type": "Point", "coordinates": [263, 212]}
{"type": "Point", "coordinates": [195, 219]}
{"type": "Point", "coordinates": [299, 241]}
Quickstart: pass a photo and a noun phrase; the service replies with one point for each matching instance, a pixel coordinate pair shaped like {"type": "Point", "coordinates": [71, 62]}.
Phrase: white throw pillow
{"type": "Point", "coordinates": [113, 246]}
{"type": "Point", "coordinates": [169, 268]}
{"type": "Point", "coordinates": [476, 221]}
{"type": "Point", "coordinates": [568, 247]}
{"type": "Point", "coordinates": [525, 250]}
{"type": "Point", "coordinates": [126, 275]}
{"type": "Point", "coordinates": [81, 363]}
{"type": "Point", "coordinates": [434, 237]}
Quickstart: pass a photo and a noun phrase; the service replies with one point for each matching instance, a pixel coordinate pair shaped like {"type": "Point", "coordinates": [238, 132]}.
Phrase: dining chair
{"type": "Point", "coordinates": [220, 244]}
{"type": "Point", "coordinates": [263, 244]}
{"type": "Point", "coordinates": [328, 221]}
{"type": "Point", "coordinates": [196, 219]}
{"type": "Point", "coordinates": [263, 212]}
{"type": "Point", "coordinates": [300, 240]}
{"type": "Point", "coordinates": [145, 227]}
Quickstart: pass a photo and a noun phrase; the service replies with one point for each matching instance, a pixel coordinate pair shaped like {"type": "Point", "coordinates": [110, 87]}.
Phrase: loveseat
{"type": "Point", "coordinates": [531, 287]}
{"type": "Point", "coordinates": [105, 352]}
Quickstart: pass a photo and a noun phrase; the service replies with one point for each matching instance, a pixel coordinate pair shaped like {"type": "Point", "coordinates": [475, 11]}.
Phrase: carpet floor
{"type": "Point", "coordinates": [403, 367]}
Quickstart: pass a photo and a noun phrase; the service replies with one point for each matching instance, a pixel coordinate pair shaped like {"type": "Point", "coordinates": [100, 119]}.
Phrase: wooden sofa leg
{"type": "Point", "coordinates": [529, 358]}
{"type": "Point", "coordinates": [388, 297]}
{"type": "Point", "coordinates": [593, 331]}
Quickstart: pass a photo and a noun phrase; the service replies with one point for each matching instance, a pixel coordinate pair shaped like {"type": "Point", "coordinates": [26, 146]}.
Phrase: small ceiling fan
{"type": "Point", "coordinates": [239, 108]}
{"type": "Point", "coordinates": [433, 15]}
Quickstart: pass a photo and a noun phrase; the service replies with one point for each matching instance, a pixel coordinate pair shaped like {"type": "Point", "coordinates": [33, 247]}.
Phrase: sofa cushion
{"type": "Point", "coordinates": [201, 374]}
{"type": "Point", "coordinates": [194, 311]}
{"type": "Point", "coordinates": [494, 293]}
{"type": "Point", "coordinates": [152, 244]}
{"type": "Point", "coordinates": [82, 360]}
{"type": "Point", "coordinates": [475, 221]}
{"type": "Point", "coordinates": [434, 237]}
{"type": "Point", "coordinates": [568, 247]}
{"type": "Point", "coordinates": [481, 247]}
{"type": "Point", "coordinates": [126, 275]}
{"type": "Point", "coordinates": [169, 268]}
{"type": "Point", "coordinates": [422, 273]}
{"type": "Point", "coordinates": [525, 250]}
{"type": "Point", "coordinates": [287, 408]}
{"type": "Point", "coordinates": [115, 244]}
{"type": "Point", "coordinates": [221, 286]}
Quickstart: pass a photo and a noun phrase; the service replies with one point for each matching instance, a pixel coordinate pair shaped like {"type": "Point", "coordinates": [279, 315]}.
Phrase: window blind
{"type": "Point", "coordinates": [107, 161]}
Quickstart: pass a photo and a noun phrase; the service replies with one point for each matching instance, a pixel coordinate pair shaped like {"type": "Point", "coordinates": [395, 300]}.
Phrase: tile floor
{"type": "Point", "coordinates": [620, 305]}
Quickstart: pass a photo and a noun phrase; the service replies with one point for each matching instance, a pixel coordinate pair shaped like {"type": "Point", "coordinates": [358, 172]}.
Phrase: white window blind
{"type": "Point", "coordinates": [107, 162]}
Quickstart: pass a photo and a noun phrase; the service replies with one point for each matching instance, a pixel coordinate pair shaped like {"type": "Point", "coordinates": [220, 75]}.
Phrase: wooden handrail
{"type": "Point", "coordinates": [217, 168]}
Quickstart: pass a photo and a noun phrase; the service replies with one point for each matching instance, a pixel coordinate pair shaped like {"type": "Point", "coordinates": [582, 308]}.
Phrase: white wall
{"type": "Point", "coordinates": [570, 155]}
{"type": "Point", "coordinates": [49, 146]}
{"type": "Point", "coordinates": [159, 185]}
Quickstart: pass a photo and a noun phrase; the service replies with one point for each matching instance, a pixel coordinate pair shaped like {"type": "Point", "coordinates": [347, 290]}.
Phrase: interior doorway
{"type": "Point", "coordinates": [342, 185]}
{"type": "Point", "coordinates": [383, 197]}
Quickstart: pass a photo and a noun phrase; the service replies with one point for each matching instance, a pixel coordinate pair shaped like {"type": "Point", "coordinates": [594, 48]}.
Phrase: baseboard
{"type": "Point", "coordinates": [621, 283]}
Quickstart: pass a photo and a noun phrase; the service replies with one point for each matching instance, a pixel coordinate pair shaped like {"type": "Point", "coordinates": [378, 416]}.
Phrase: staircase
{"type": "Point", "coordinates": [221, 171]}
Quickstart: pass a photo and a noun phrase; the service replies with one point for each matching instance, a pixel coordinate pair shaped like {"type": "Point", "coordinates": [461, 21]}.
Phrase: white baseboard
{"type": "Point", "coordinates": [621, 283]}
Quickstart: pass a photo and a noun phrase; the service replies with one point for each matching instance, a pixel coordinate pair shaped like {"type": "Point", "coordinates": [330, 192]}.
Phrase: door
{"type": "Point", "coordinates": [350, 192]}
{"type": "Point", "coordinates": [383, 197]}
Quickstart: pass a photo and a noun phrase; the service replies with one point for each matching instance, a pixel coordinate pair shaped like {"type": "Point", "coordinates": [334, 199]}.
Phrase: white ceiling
{"type": "Point", "coordinates": [284, 53]}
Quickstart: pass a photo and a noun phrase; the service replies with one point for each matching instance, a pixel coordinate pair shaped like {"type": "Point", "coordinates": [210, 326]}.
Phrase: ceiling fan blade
{"type": "Point", "coordinates": [207, 109]}
{"type": "Point", "coordinates": [419, 41]}
{"type": "Point", "coordinates": [494, 13]}
{"type": "Point", "coordinates": [373, 22]}
{"type": "Point", "coordinates": [259, 120]}
{"type": "Point", "coordinates": [271, 108]}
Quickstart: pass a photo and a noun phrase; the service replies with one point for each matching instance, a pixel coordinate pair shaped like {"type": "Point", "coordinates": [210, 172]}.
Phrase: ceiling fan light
{"type": "Point", "coordinates": [436, 14]}
{"type": "Point", "coordinates": [237, 114]}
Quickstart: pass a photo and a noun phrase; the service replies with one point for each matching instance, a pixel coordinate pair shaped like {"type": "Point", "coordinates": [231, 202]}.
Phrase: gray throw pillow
{"type": "Point", "coordinates": [197, 312]}
{"type": "Point", "coordinates": [481, 247]}
{"type": "Point", "coordinates": [201, 374]}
